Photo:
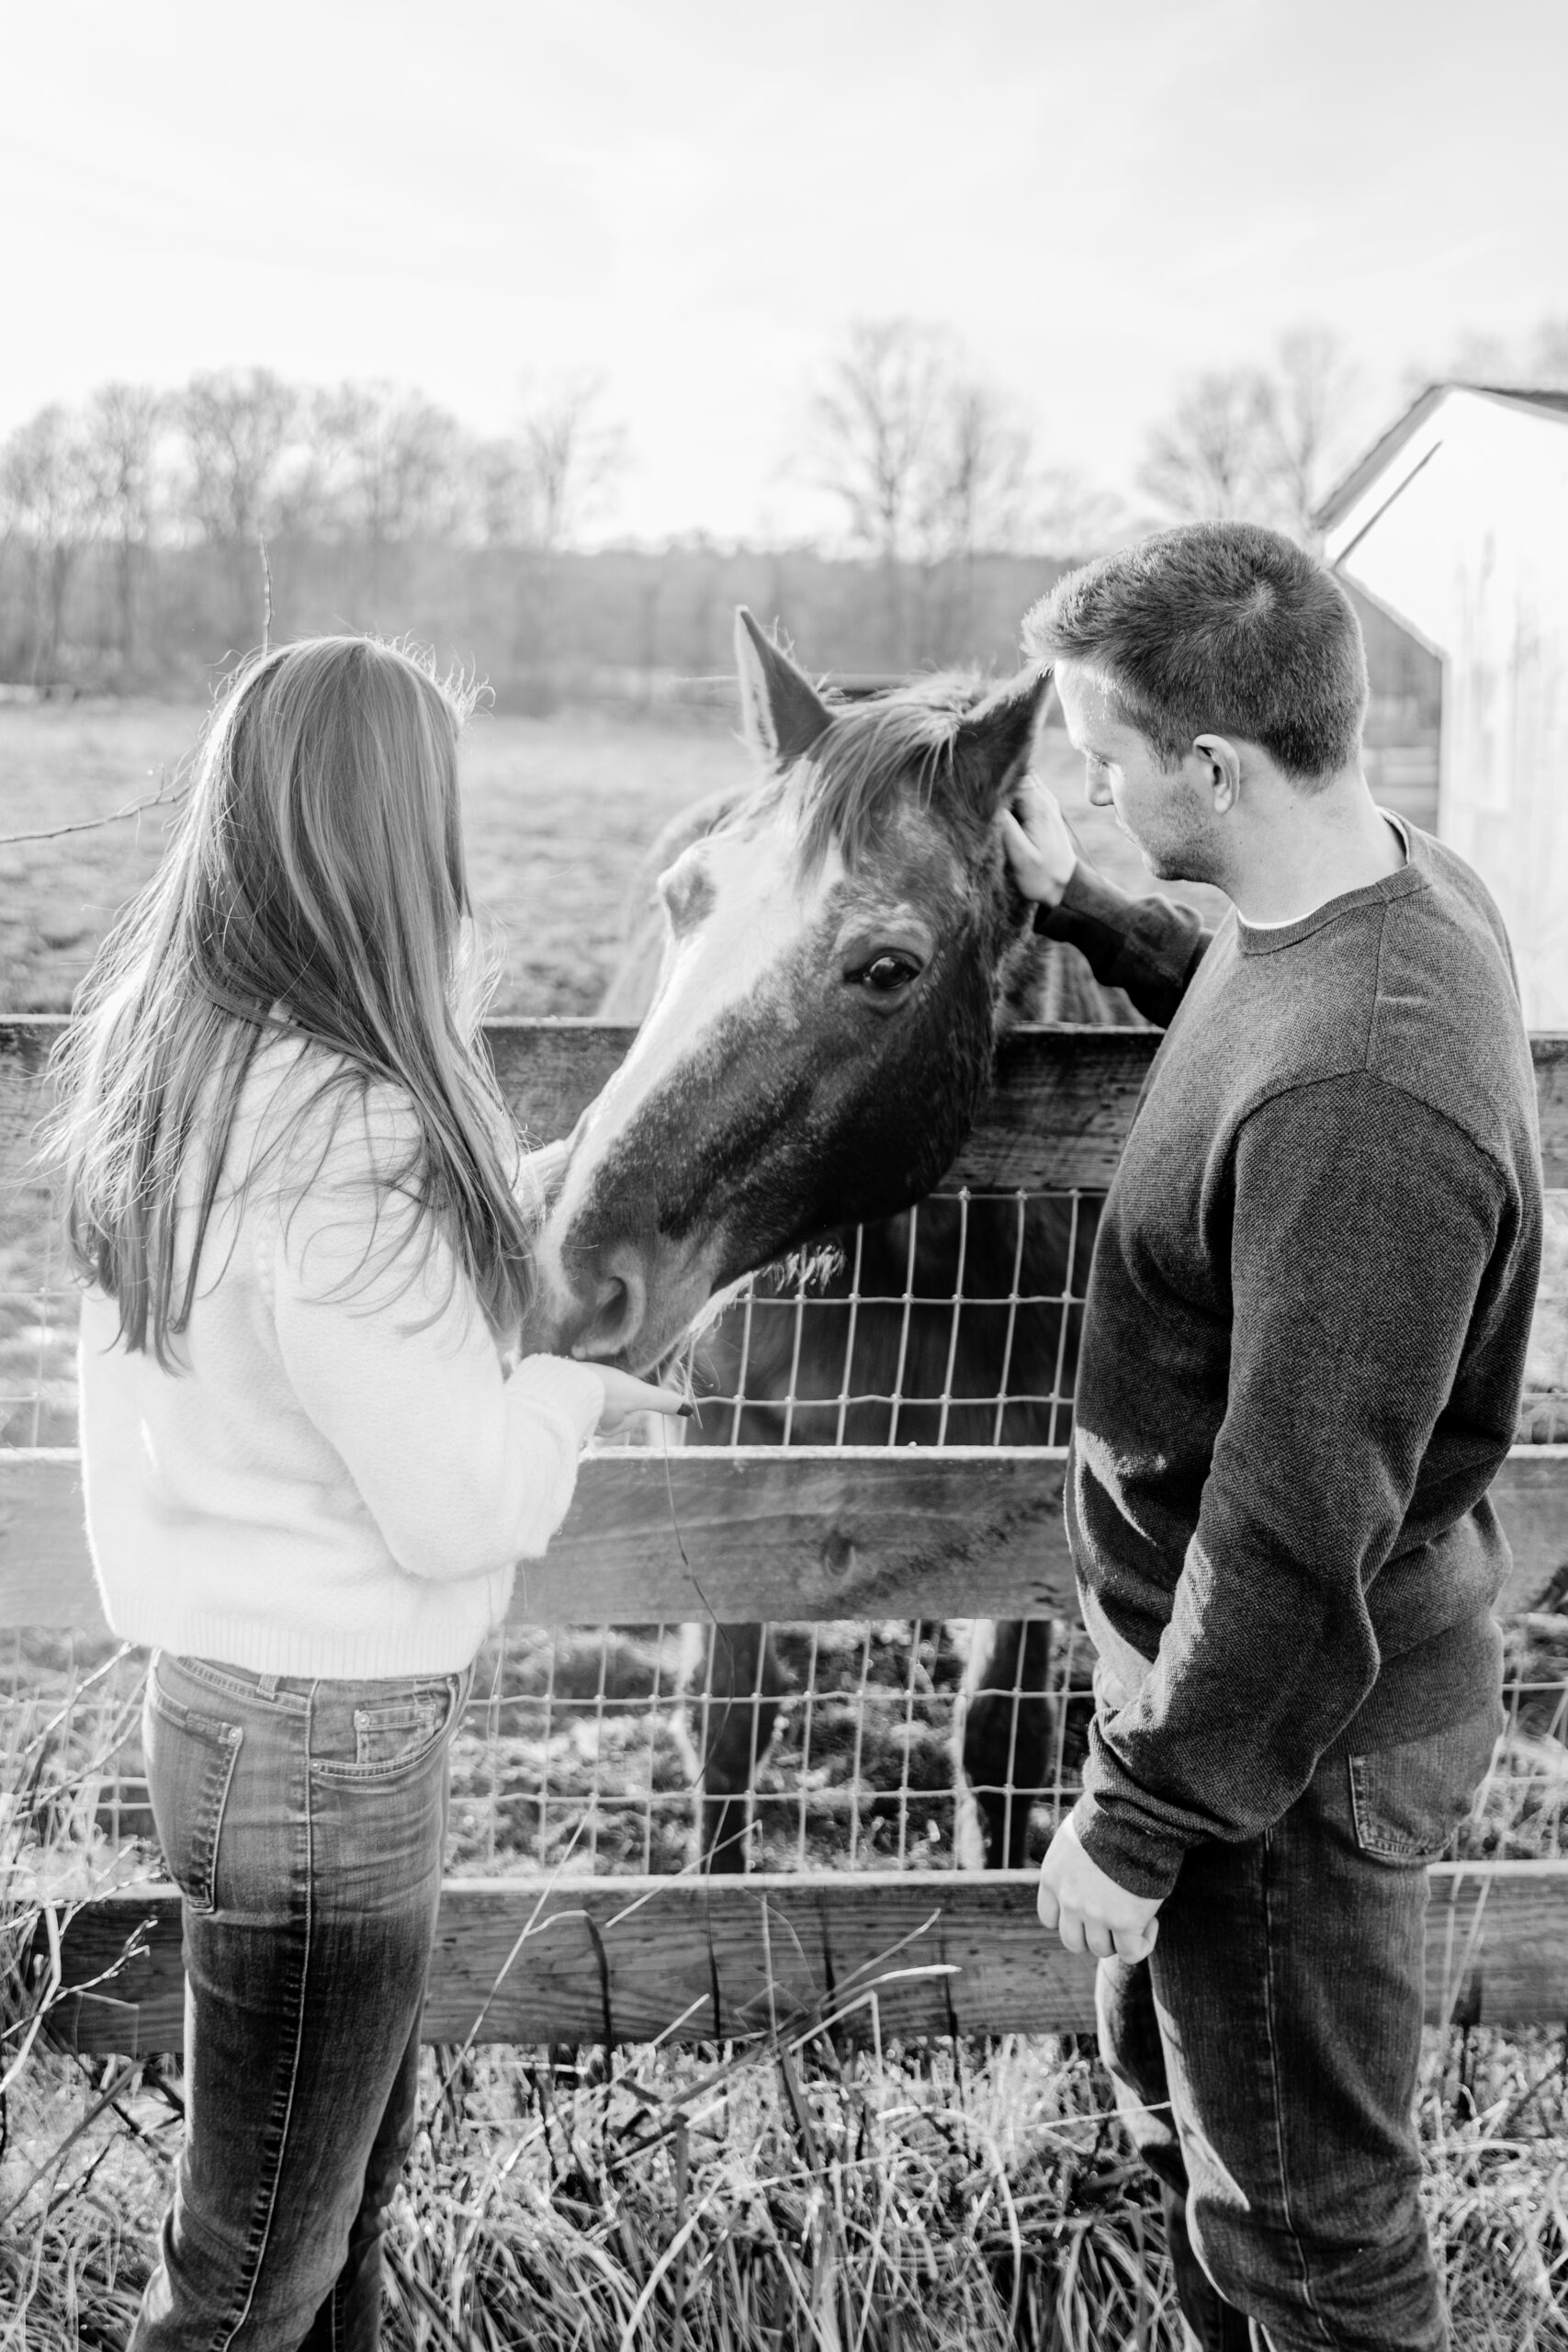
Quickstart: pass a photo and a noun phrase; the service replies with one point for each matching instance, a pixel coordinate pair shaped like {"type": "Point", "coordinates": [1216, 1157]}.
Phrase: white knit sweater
{"type": "Point", "coordinates": [341, 1469]}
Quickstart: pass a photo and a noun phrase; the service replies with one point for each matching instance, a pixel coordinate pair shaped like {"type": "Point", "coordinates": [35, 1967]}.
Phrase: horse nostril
{"type": "Point", "coordinates": [619, 1308]}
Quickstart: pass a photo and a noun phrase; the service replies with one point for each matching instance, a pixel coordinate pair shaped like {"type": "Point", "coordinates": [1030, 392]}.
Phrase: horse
{"type": "Point", "coordinates": [823, 964]}
{"type": "Point", "coordinates": [983, 1354]}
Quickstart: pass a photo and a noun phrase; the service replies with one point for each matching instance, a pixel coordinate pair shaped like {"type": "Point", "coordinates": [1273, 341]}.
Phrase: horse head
{"type": "Point", "coordinates": [842, 950]}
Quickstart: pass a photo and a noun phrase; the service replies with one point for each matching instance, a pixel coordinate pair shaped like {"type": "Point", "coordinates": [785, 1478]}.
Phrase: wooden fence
{"type": "Point", "coordinates": [792, 1534]}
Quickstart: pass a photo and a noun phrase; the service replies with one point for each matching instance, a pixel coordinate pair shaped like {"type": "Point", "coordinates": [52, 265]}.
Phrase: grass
{"type": "Point", "coordinates": [804, 2195]}
{"type": "Point", "coordinates": [558, 812]}
{"type": "Point", "coordinates": [801, 2192]}
{"type": "Point", "coordinates": [819, 2196]}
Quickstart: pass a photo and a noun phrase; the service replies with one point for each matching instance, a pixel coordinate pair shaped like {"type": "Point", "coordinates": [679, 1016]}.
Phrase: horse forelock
{"type": "Point", "coordinates": [878, 760]}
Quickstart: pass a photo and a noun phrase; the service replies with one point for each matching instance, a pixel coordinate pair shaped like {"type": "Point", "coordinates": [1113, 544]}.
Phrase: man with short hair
{"type": "Point", "coordinates": [1301, 1359]}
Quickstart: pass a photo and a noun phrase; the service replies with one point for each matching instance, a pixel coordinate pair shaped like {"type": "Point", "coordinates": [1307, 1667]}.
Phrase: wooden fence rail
{"type": "Point", "coordinates": [630, 1959]}
{"type": "Point", "coordinates": [787, 1535]}
{"type": "Point", "coordinates": [1064, 1102]}
{"type": "Point", "coordinates": [796, 1534]}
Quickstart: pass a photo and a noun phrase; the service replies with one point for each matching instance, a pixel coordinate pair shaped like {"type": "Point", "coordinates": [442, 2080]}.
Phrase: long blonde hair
{"type": "Point", "coordinates": [316, 888]}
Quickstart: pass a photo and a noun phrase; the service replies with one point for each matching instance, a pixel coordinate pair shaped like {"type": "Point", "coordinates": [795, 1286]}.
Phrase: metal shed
{"type": "Point", "coordinates": [1456, 521]}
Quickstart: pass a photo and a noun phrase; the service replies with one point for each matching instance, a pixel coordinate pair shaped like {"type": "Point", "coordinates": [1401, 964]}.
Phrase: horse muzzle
{"type": "Point", "coordinates": [629, 1302]}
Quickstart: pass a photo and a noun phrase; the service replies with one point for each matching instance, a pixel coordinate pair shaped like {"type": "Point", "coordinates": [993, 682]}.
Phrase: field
{"type": "Point", "coordinates": [557, 813]}
{"type": "Point", "coordinates": [814, 2194]}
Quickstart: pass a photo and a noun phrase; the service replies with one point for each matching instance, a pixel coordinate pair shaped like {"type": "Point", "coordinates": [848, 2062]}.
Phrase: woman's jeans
{"type": "Point", "coordinates": [1265, 2055]}
{"type": "Point", "coordinates": [303, 1822]}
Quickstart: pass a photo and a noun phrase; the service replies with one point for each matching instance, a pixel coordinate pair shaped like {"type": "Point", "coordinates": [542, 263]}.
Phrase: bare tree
{"type": "Point", "coordinates": [536, 492]}
{"type": "Point", "coordinates": [122, 430]}
{"type": "Point", "coordinates": [931, 464]}
{"type": "Point", "coordinates": [1307, 403]}
{"type": "Point", "coordinates": [978, 492]}
{"type": "Point", "coordinates": [46, 503]}
{"type": "Point", "coordinates": [977, 495]}
{"type": "Point", "coordinates": [390, 461]}
{"type": "Point", "coordinates": [237, 430]}
{"type": "Point", "coordinates": [872, 429]}
{"type": "Point", "coordinates": [1257, 445]}
{"type": "Point", "coordinates": [245, 478]}
{"type": "Point", "coordinates": [387, 469]}
{"type": "Point", "coordinates": [542, 486]}
{"type": "Point", "coordinates": [572, 455]}
{"type": "Point", "coordinates": [1210, 463]}
{"type": "Point", "coordinates": [499, 506]}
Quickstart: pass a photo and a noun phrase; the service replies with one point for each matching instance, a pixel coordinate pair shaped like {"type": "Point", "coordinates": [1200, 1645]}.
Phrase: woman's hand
{"type": "Point", "coordinates": [1039, 849]}
{"type": "Point", "coordinates": [625, 1396]}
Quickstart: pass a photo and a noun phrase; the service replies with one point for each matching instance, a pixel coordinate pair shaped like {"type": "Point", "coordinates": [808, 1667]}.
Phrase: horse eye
{"type": "Point", "coordinates": [885, 973]}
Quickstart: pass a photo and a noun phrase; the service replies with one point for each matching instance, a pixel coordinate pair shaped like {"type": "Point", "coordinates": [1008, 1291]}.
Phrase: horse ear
{"type": "Point", "coordinates": [995, 741]}
{"type": "Point", "coordinates": [781, 710]}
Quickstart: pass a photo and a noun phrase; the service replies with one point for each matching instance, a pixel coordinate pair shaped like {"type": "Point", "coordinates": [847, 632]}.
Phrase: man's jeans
{"type": "Point", "coordinates": [303, 1822]}
{"type": "Point", "coordinates": [1266, 2055]}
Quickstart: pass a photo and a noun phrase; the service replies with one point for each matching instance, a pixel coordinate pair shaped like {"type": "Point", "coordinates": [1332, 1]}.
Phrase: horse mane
{"type": "Point", "coordinates": [859, 769]}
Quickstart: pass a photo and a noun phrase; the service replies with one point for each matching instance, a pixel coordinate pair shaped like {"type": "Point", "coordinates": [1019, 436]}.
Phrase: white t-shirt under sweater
{"type": "Point", "coordinates": [341, 1471]}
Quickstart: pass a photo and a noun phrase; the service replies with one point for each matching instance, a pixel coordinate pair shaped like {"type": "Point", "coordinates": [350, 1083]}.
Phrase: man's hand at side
{"type": "Point", "coordinates": [1089, 1911]}
{"type": "Point", "coordinates": [1040, 848]}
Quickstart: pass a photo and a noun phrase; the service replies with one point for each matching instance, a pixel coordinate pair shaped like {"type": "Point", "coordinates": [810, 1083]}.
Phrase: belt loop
{"type": "Point", "coordinates": [267, 1685]}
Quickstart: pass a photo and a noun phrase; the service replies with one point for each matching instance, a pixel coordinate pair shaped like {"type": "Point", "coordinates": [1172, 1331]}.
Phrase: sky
{"type": "Point", "coordinates": [695, 199]}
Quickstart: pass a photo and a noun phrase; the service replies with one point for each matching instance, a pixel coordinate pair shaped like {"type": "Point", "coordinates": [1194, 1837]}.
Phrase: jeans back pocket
{"type": "Point", "coordinates": [1409, 1800]}
{"type": "Point", "coordinates": [391, 1730]}
{"type": "Point", "coordinates": [398, 1732]}
{"type": "Point", "coordinates": [191, 1757]}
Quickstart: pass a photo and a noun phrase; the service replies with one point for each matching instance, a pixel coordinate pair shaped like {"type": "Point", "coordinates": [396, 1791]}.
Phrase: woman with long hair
{"type": "Point", "coordinates": [310, 1455]}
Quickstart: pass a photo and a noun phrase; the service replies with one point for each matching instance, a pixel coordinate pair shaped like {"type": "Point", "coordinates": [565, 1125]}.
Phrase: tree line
{"type": "Point", "coordinates": [142, 533]}
{"type": "Point", "coordinates": [140, 517]}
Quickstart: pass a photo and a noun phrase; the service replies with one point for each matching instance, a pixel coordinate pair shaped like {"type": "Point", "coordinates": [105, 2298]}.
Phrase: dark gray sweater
{"type": "Point", "coordinates": [1302, 1349]}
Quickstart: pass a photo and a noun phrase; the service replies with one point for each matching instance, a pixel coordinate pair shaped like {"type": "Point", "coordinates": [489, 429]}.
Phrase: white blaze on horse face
{"type": "Point", "coordinates": [739, 908]}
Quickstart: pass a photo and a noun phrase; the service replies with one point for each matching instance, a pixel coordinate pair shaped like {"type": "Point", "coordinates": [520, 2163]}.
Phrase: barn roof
{"type": "Point", "coordinates": [1366, 470]}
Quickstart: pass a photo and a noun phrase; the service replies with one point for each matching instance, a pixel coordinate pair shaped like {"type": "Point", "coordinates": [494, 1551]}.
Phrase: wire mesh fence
{"type": "Point", "coordinates": [955, 1324]}
{"type": "Point", "coordinates": [576, 1754]}
{"type": "Point", "coordinates": [581, 1750]}
{"type": "Point", "coordinates": [39, 1312]}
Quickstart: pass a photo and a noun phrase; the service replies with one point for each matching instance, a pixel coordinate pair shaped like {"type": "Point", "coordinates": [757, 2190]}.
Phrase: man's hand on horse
{"type": "Point", "coordinates": [1039, 843]}
{"type": "Point", "coordinates": [1089, 1911]}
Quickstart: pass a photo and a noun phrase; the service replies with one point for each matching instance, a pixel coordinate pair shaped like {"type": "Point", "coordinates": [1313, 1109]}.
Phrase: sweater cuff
{"type": "Point", "coordinates": [572, 1391]}
{"type": "Point", "coordinates": [1145, 946]}
{"type": "Point", "coordinates": [1085, 892]}
{"type": "Point", "coordinates": [1091, 914]}
{"type": "Point", "coordinates": [1141, 1859]}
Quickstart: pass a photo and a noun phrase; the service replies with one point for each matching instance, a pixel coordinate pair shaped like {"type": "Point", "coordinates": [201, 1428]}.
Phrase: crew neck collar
{"type": "Point", "coordinates": [1264, 938]}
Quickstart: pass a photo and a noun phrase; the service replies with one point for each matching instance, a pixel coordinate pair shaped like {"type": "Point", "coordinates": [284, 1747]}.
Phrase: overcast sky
{"type": "Point", "coordinates": [697, 196]}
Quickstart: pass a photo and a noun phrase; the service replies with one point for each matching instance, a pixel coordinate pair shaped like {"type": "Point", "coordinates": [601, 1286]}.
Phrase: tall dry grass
{"type": "Point", "coordinates": [783, 2197]}
{"type": "Point", "coordinates": [813, 2191]}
